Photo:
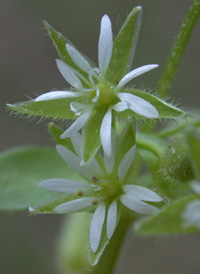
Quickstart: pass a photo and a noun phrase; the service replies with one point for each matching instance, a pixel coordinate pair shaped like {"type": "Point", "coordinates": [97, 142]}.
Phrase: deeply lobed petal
{"type": "Point", "coordinates": [110, 161]}
{"type": "Point", "coordinates": [74, 205]}
{"type": "Point", "coordinates": [69, 75]}
{"type": "Point", "coordinates": [77, 125]}
{"type": "Point", "coordinates": [126, 162]}
{"type": "Point", "coordinates": [96, 226]}
{"type": "Point", "coordinates": [135, 73]}
{"type": "Point", "coordinates": [78, 59]}
{"type": "Point", "coordinates": [105, 133]}
{"type": "Point", "coordinates": [142, 193]}
{"type": "Point", "coordinates": [64, 185]}
{"type": "Point", "coordinates": [138, 105]}
{"type": "Point", "coordinates": [111, 219]}
{"type": "Point", "coordinates": [137, 205]}
{"type": "Point", "coordinates": [105, 45]}
{"type": "Point", "coordinates": [52, 95]}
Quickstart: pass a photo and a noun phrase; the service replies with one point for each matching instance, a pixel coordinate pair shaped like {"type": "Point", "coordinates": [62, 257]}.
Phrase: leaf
{"type": "Point", "coordinates": [124, 47]}
{"type": "Point", "coordinates": [56, 108]}
{"type": "Point", "coordinates": [167, 221]}
{"type": "Point", "coordinates": [56, 132]}
{"type": "Point", "coordinates": [60, 44]}
{"type": "Point", "coordinates": [164, 109]}
{"type": "Point", "coordinates": [193, 140]}
{"type": "Point", "coordinates": [21, 169]}
{"type": "Point", "coordinates": [91, 135]}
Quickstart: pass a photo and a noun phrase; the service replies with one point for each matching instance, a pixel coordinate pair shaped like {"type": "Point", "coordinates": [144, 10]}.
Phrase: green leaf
{"type": "Point", "coordinates": [57, 108]}
{"type": "Point", "coordinates": [21, 169]}
{"type": "Point", "coordinates": [56, 132]}
{"type": "Point", "coordinates": [124, 47]}
{"type": "Point", "coordinates": [193, 140]}
{"type": "Point", "coordinates": [60, 44]}
{"type": "Point", "coordinates": [164, 109]}
{"type": "Point", "coordinates": [91, 135]}
{"type": "Point", "coordinates": [167, 221]}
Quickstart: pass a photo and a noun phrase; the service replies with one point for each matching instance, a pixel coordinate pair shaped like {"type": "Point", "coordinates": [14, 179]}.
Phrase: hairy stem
{"type": "Point", "coordinates": [178, 48]}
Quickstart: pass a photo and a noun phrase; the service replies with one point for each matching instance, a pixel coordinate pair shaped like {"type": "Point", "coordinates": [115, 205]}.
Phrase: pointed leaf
{"type": "Point", "coordinates": [124, 47]}
{"type": "Point", "coordinates": [60, 44]}
{"type": "Point", "coordinates": [164, 109]}
{"type": "Point", "coordinates": [57, 108]}
{"type": "Point", "coordinates": [21, 169]}
{"type": "Point", "coordinates": [167, 221]}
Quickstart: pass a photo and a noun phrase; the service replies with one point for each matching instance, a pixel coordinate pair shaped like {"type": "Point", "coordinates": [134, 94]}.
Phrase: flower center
{"type": "Point", "coordinates": [106, 93]}
{"type": "Point", "coordinates": [111, 189]}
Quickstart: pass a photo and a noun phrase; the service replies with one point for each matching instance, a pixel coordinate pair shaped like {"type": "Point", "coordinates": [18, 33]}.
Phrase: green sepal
{"type": "Point", "coordinates": [168, 221]}
{"type": "Point", "coordinates": [21, 169]}
{"type": "Point", "coordinates": [193, 140]}
{"type": "Point", "coordinates": [56, 108]}
{"type": "Point", "coordinates": [91, 135]}
{"type": "Point", "coordinates": [56, 132]}
{"type": "Point", "coordinates": [165, 110]}
{"type": "Point", "coordinates": [60, 44]}
{"type": "Point", "coordinates": [124, 47]}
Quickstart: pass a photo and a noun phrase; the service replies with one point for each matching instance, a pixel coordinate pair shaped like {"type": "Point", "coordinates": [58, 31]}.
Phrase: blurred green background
{"type": "Point", "coordinates": [27, 68]}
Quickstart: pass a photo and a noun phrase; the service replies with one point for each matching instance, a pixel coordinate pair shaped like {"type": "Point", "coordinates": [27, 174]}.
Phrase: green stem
{"type": "Point", "coordinates": [108, 260]}
{"type": "Point", "coordinates": [178, 48]}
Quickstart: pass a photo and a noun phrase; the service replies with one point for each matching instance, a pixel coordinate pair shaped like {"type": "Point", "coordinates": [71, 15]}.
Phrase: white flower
{"type": "Point", "coordinates": [103, 191]}
{"type": "Point", "coordinates": [91, 90]}
{"type": "Point", "coordinates": [191, 214]}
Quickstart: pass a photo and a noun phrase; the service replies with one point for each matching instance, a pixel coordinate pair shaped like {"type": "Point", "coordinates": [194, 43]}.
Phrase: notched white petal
{"type": "Point", "coordinates": [121, 106]}
{"type": "Point", "coordinates": [195, 187]}
{"type": "Point", "coordinates": [63, 185]}
{"type": "Point", "coordinates": [52, 95]}
{"type": "Point", "coordinates": [78, 59]}
{"type": "Point", "coordinates": [69, 74]}
{"type": "Point", "coordinates": [142, 193]}
{"type": "Point", "coordinates": [105, 133]}
{"type": "Point", "coordinates": [78, 124]}
{"type": "Point", "coordinates": [74, 161]}
{"type": "Point", "coordinates": [110, 161]}
{"type": "Point", "coordinates": [105, 45]}
{"type": "Point", "coordinates": [126, 162]}
{"type": "Point", "coordinates": [135, 73]}
{"type": "Point", "coordinates": [139, 105]}
{"type": "Point", "coordinates": [111, 219]}
{"type": "Point", "coordinates": [96, 226]}
{"type": "Point", "coordinates": [137, 205]}
{"type": "Point", "coordinates": [74, 205]}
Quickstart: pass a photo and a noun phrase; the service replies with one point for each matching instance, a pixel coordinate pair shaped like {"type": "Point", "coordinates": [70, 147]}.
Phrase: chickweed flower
{"type": "Point", "coordinates": [104, 191]}
{"type": "Point", "coordinates": [99, 94]}
{"type": "Point", "coordinates": [93, 93]}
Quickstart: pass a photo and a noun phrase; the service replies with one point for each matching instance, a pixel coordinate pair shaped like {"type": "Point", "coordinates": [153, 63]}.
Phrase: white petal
{"type": "Point", "coordinates": [110, 161]}
{"type": "Point", "coordinates": [105, 45]}
{"type": "Point", "coordinates": [57, 95]}
{"type": "Point", "coordinates": [111, 219]}
{"type": "Point", "coordinates": [142, 193]}
{"type": "Point", "coordinates": [126, 162]}
{"type": "Point", "coordinates": [192, 214]}
{"type": "Point", "coordinates": [78, 59]}
{"type": "Point", "coordinates": [74, 161]}
{"type": "Point", "coordinates": [105, 133]}
{"type": "Point", "coordinates": [69, 75]}
{"type": "Point", "coordinates": [195, 187]}
{"type": "Point", "coordinates": [77, 142]}
{"type": "Point", "coordinates": [135, 73]}
{"type": "Point", "coordinates": [96, 226]}
{"type": "Point", "coordinates": [121, 106]}
{"type": "Point", "coordinates": [74, 205]}
{"type": "Point", "coordinates": [139, 105]}
{"type": "Point", "coordinates": [63, 185]}
{"type": "Point", "coordinates": [77, 125]}
{"type": "Point", "coordinates": [137, 205]}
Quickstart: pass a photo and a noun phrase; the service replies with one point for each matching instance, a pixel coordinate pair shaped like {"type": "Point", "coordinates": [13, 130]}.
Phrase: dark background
{"type": "Point", "coordinates": [27, 68]}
